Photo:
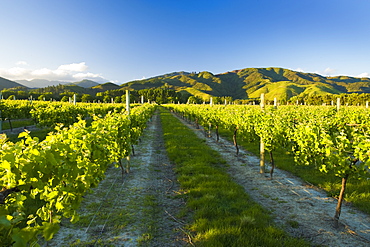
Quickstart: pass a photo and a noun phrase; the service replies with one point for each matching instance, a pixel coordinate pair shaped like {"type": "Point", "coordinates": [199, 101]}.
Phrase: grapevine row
{"type": "Point", "coordinates": [330, 139]}
{"type": "Point", "coordinates": [44, 181]}
{"type": "Point", "coordinates": [48, 114]}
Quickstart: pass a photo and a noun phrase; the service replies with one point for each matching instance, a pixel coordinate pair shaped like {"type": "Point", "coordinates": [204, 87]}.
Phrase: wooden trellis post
{"type": "Point", "coordinates": [338, 104]}
{"type": "Point", "coordinates": [128, 102]}
{"type": "Point", "coordinates": [262, 144]}
{"type": "Point", "coordinates": [128, 113]}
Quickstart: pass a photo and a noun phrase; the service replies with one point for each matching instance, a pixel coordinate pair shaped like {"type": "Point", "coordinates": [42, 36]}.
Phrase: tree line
{"type": "Point", "coordinates": [329, 99]}
{"type": "Point", "coordinates": [163, 95]}
{"type": "Point", "coordinates": [160, 95]}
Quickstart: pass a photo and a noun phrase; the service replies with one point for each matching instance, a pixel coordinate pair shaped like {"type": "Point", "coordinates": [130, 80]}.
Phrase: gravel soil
{"type": "Point", "coordinates": [20, 130]}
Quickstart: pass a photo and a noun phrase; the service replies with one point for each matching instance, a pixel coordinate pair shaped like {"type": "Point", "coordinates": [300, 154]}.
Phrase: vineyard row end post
{"type": "Point", "coordinates": [262, 145]}
{"type": "Point", "coordinates": [338, 104]}
{"type": "Point", "coordinates": [128, 113]}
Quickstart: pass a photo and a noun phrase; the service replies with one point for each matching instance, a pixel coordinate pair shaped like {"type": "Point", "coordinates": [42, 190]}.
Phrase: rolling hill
{"type": "Point", "coordinates": [85, 83]}
{"type": "Point", "coordinates": [251, 82]}
{"type": "Point", "coordinates": [246, 83]}
{"type": "Point", "coordinates": [40, 83]}
{"type": "Point", "coordinates": [5, 83]}
{"type": "Point", "coordinates": [105, 87]}
{"type": "Point", "coordinates": [81, 87]}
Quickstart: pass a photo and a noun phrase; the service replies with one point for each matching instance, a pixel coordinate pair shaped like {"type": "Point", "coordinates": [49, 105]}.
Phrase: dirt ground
{"type": "Point", "coordinates": [121, 212]}
{"type": "Point", "coordinates": [19, 130]}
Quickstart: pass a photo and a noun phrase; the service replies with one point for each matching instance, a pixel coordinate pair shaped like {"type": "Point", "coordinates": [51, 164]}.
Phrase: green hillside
{"type": "Point", "coordinates": [248, 83]}
{"type": "Point", "coordinates": [5, 83]}
{"type": "Point", "coordinates": [105, 86]}
{"type": "Point", "coordinates": [251, 82]}
{"type": "Point", "coordinates": [86, 83]}
{"type": "Point", "coordinates": [60, 89]}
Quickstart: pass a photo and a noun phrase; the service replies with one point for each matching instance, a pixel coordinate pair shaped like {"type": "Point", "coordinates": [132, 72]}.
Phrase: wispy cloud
{"type": "Point", "coordinates": [326, 72]}
{"type": "Point", "coordinates": [79, 67]}
{"type": "Point", "coordinates": [81, 76]}
{"type": "Point", "coordinates": [365, 74]}
{"type": "Point", "coordinates": [65, 72]}
{"type": "Point", "coordinates": [21, 63]}
{"type": "Point", "coordinates": [299, 70]}
{"type": "Point", "coordinates": [329, 71]}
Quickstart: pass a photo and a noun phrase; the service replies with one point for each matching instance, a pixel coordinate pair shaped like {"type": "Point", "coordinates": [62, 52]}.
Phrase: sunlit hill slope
{"type": "Point", "coordinates": [251, 82]}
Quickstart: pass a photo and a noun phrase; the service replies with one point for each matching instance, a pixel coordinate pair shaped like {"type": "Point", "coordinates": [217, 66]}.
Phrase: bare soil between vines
{"type": "Point", "coordinates": [119, 212]}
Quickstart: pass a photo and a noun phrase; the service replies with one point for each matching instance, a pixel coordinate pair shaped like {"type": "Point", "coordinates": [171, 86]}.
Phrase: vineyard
{"type": "Point", "coordinates": [332, 140]}
{"type": "Point", "coordinates": [45, 181]}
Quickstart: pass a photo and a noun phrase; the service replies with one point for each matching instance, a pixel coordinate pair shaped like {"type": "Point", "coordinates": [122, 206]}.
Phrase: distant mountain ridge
{"type": "Point", "coordinates": [85, 83]}
{"type": "Point", "coordinates": [245, 83]}
{"type": "Point", "coordinates": [251, 82]}
{"type": "Point", "coordinates": [39, 83]}
{"type": "Point", "coordinates": [106, 86]}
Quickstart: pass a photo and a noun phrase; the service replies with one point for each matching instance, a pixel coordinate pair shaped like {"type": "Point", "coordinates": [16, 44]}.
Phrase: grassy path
{"type": "Point", "coordinates": [300, 208]}
{"type": "Point", "coordinates": [223, 214]}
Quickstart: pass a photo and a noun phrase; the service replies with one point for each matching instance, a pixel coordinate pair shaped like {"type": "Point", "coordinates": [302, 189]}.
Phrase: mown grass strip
{"type": "Point", "coordinates": [357, 192]}
{"type": "Point", "coordinates": [222, 213]}
{"type": "Point", "coordinates": [16, 123]}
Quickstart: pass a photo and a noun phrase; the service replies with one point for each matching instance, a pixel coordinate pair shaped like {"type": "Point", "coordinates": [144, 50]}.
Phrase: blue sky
{"type": "Point", "coordinates": [124, 40]}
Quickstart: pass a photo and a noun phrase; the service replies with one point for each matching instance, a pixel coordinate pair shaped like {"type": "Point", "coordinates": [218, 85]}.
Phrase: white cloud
{"type": "Point", "coordinates": [42, 72]}
{"type": "Point", "coordinates": [78, 67]}
{"type": "Point", "coordinates": [90, 76]}
{"type": "Point", "coordinates": [65, 72]}
{"type": "Point", "coordinates": [299, 70]}
{"type": "Point", "coordinates": [16, 71]}
{"type": "Point", "coordinates": [21, 63]}
{"type": "Point", "coordinates": [329, 71]}
{"type": "Point", "coordinates": [365, 74]}
{"type": "Point", "coordinates": [326, 72]}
